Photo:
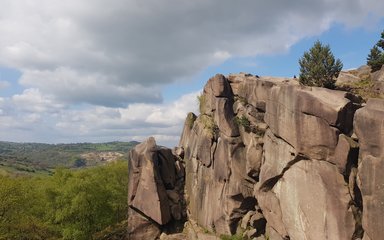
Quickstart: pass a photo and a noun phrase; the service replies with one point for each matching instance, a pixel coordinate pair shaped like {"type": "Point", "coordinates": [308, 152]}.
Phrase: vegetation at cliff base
{"type": "Point", "coordinates": [70, 204]}
{"type": "Point", "coordinates": [318, 67]}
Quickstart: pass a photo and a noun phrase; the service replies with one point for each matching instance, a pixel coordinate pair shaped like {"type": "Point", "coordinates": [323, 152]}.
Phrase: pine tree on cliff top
{"type": "Point", "coordinates": [375, 58]}
{"type": "Point", "coordinates": [318, 67]}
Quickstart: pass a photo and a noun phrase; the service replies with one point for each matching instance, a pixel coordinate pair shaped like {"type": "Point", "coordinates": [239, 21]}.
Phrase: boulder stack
{"type": "Point", "coordinates": [278, 153]}
{"type": "Point", "coordinates": [266, 158]}
{"type": "Point", "coordinates": [155, 190]}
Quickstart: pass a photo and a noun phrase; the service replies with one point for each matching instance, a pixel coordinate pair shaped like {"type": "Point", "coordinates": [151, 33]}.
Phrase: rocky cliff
{"type": "Point", "coordinates": [269, 159]}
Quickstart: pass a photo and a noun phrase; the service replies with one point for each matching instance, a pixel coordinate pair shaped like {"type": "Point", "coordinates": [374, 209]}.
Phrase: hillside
{"type": "Point", "coordinates": [27, 158]}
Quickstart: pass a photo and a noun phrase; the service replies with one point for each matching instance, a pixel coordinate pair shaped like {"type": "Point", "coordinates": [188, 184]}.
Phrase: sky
{"type": "Point", "coordinates": [121, 70]}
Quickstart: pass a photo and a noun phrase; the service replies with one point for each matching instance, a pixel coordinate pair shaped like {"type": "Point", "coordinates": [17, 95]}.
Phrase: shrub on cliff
{"type": "Point", "coordinates": [375, 58]}
{"type": "Point", "coordinates": [318, 67]}
{"type": "Point", "coordinates": [202, 102]}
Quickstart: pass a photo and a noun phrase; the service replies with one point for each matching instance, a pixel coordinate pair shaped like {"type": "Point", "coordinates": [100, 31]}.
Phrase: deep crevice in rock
{"type": "Point", "coordinates": [270, 183]}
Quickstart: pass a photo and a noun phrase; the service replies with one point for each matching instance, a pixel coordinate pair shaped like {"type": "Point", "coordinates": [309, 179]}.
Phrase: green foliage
{"type": "Point", "coordinates": [242, 100]}
{"type": "Point", "coordinates": [113, 232]}
{"type": "Point", "coordinates": [191, 118]}
{"type": "Point", "coordinates": [243, 121]}
{"type": "Point", "coordinates": [375, 58]}
{"type": "Point", "coordinates": [79, 162]}
{"type": "Point", "coordinates": [202, 100]}
{"type": "Point", "coordinates": [318, 67]}
{"type": "Point", "coordinates": [32, 158]}
{"type": "Point", "coordinates": [68, 205]}
{"type": "Point", "coordinates": [363, 88]}
{"type": "Point", "coordinates": [209, 124]}
{"type": "Point", "coordinates": [380, 43]}
{"type": "Point", "coordinates": [232, 237]}
{"type": "Point", "coordinates": [22, 211]}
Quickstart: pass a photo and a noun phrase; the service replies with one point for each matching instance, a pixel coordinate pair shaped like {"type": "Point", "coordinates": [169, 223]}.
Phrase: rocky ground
{"type": "Point", "coordinates": [362, 82]}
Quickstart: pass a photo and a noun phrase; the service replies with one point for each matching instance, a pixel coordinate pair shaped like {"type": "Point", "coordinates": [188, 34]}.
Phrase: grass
{"type": "Point", "coordinates": [202, 100]}
{"type": "Point", "coordinates": [238, 236]}
{"type": "Point", "coordinates": [362, 88]}
{"type": "Point", "coordinates": [244, 122]}
{"type": "Point", "coordinates": [242, 100]}
{"type": "Point", "coordinates": [209, 124]}
{"type": "Point", "coordinates": [191, 118]}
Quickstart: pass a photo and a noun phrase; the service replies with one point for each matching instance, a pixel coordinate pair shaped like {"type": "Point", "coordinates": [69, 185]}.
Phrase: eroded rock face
{"type": "Point", "coordinates": [147, 192]}
{"type": "Point", "coordinates": [140, 227]}
{"type": "Point", "coordinates": [362, 79]}
{"type": "Point", "coordinates": [309, 119]}
{"type": "Point", "coordinates": [155, 191]}
{"type": "Point", "coordinates": [277, 151]}
{"type": "Point", "coordinates": [369, 127]}
{"type": "Point", "coordinates": [315, 202]}
{"type": "Point", "coordinates": [267, 155]}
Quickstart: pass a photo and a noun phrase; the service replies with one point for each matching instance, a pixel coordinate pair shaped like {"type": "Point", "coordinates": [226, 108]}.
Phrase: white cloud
{"type": "Point", "coordinates": [4, 84]}
{"type": "Point", "coordinates": [32, 100]}
{"type": "Point", "coordinates": [137, 121]}
{"type": "Point", "coordinates": [74, 49]}
{"type": "Point", "coordinates": [96, 88]}
{"type": "Point", "coordinates": [32, 115]}
{"type": "Point", "coordinates": [93, 70]}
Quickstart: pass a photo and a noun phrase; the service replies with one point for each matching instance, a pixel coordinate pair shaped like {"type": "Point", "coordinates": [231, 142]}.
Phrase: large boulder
{"type": "Point", "coordinates": [147, 192]}
{"type": "Point", "coordinates": [140, 227]}
{"type": "Point", "coordinates": [309, 119]}
{"type": "Point", "coordinates": [345, 77]}
{"type": "Point", "coordinates": [369, 127]}
{"type": "Point", "coordinates": [315, 202]}
{"type": "Point", "coordinates": [379, 75]}
{"type": "Point", "coordinates": [155, 189]}
{"type": "Point", "coordinates": [293, 191]}
{"type": "Point", "coordinates": [353, 76]}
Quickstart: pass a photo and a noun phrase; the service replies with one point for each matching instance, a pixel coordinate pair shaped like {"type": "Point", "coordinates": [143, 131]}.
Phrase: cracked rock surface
{"type": "Point", "coordinates": [267, 158]}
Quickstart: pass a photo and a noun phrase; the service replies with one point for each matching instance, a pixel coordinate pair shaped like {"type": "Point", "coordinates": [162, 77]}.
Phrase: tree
{"type": "Point", "coordinates": [71, 204]}
{"type": "Point", "coordinates": [375, 58]}
{"type": "Point", "coordinates": [380, 43]}
{"type": "Point", "coordinates": [318, 67]}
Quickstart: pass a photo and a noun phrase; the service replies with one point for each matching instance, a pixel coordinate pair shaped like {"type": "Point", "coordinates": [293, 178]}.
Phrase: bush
{"type": "Point", "coordinates": [191, 118]}
{"type": "Point", "coordinates": [318, 67]}
{"type": "Point", "coordinates": [202, 102]}
{"type": "Point", "coordinates": [243, 121]}
{"type": "Point", "coordinates": [209, 124]}
{"type": "Point", "coordinates": [375, 58]}
{"type": "Point", "coordinates": [238, 236]}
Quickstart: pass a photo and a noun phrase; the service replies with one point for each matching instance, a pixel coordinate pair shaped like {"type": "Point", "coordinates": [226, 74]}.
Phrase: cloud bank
{"type": "Point", "coordinates": [115, 56]}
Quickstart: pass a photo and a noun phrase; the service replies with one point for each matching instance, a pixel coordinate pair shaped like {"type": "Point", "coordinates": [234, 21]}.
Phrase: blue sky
{"type": "Point", "coordinates": [351, 45]}
{"type": "Point", "coordinates": [95, 71]}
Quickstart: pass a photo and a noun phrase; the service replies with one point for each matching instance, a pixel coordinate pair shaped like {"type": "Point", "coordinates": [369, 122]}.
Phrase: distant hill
{"type": "Point", "coordinates": [30, 158]}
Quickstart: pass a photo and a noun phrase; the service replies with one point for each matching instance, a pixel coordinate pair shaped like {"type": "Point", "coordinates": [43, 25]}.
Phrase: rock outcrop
{"type": "Point", "coordinates": [266, 158]}
{"type": "Point", "coordinates": [285, 155]}
{"type": "Point", "coordinates": [363, 82]}
{"type": "Point", "coordinates": [369, 127]}
{"type": "Point", "coordinates": [155, 191]}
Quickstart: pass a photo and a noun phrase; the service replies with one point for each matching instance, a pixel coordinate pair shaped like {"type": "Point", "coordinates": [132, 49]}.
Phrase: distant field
{"type": "Point", "coordinates": [39, 158]}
